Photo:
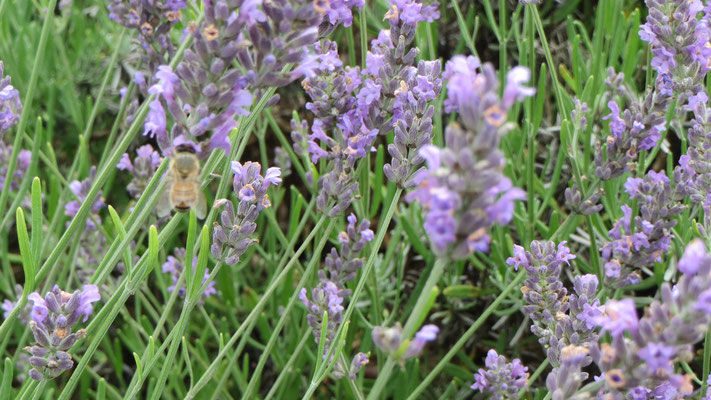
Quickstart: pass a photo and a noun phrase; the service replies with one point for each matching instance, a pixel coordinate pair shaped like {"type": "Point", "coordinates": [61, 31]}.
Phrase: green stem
{"type": "Point", "coordinates": [39, 389]}
{"type": "Point", "coordinates": [257, 374]}
{"type": "Point", "coordinates": [27, 104]}
{"type": "Point", "coordinates": [368, 267]}
{"type": "Point", "coordinates": [287, 368]}
{"type": "Point", "coordinates": [707, 360]}
{"type": "Point", "coordinates": [463, 339]}
{"type": "Point", "coordinates": [413, 321]}
{"type": "Point", "coordinates": [256, 311]}
{"type": "Point", "coordinates": [535, 376]}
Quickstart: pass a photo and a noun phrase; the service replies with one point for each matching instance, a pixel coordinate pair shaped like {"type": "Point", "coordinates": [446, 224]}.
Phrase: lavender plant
{"type": "Point", "coordinates": [609, 247]}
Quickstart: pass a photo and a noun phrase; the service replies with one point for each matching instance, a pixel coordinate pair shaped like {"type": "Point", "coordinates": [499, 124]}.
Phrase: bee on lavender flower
{"type": "Point", "coordinates": [183, 190]}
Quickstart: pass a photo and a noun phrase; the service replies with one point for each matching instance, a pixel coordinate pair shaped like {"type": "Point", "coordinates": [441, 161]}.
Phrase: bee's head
{"type": "Point", "coordinates": [185, 148]}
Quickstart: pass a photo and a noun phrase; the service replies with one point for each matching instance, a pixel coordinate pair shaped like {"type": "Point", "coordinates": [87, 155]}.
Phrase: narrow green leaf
{"type": "Point", "coordinates": [153, 248]}
{"type": "Point", "coordinates": [322, 342]}
{"type": "Point", "coordinates": [188, 363]}
{"type": "Point", "coordinates": [6, 387]}
{"type": "Point", "coordinates": [23, 240]}
{"type": "Point", "coordinates": [121, 230]}
{"type": "Point", "coordinates": [139, 365]}
{"type": "Point", "coordinates": [202, 263]}
{"type": "Point", "coordinates": [101, 390]}
{"type": "Point", "coordinates": [189, 250]}
{"type": "Point", "coordinates": [37, 217]}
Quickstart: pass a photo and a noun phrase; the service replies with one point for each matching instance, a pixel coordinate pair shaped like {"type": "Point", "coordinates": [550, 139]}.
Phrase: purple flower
{"type": "Point", "coordinates": [515, 91]}
{"type": "Point", "coordinates": [678, 39]}
{"type": "Point", "coordinates": [638, 127]}
{"type": "Point", "coordinates": [519, 258]}
{"type": "Point", "coordinates": [658, 203]}
{"type": "Point", "coordinates": [39, 308]}
{"type": "Point", "coordinates": [23, 163]}
{"type": "Point", "coordinates": [53, 320]}
{"type": "Point", "coordinates": [559, 319]}
{"type": "Point", "coordinates": [426, 334]}
{"type": "Point", "coordinates": [7, 307]}
{"type": "Point", "coordinates": [657, 356]}
{"type": "Point", "coordinates": [501, 379]}
{"type": "Point", "coordinates": [89, 295]}
{"type": "Point", "coordinates": [142, 168]}
{"type": "Point", "coordinates": [10, 105]}
{"type": "Point", "coordinates": [461, 196]}
{"type": "Point", "coordinates": [81, 190]}
{"type": "Point", "coordinates": [619, 316]}
{"type": "Point", "coordinates": [694, 255]}
{"type": "Point", "coordinates": [231, 238]}
{"type": "Point", "coordinates": [155, 122]}
{"type": "Point", "coordinates": [175, 265]}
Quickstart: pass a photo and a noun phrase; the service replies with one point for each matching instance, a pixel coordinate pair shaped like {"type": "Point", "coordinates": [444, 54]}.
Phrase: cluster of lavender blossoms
{"type": "Point", "coordinates": [559, 318]}
{"type": "Point", "coordinates": [92, 242]}
{"type": "Point", "coordinates": [175, 264]}
{"type": "Point", "coordinates": [10, 105]}
{"type": "Point", "coordinates": [501, 380]}
{"type": "Point", "coordinates": [10, 110]}
{"type": "Point", "coordinates": [463, 190]}
{"type": "Point", "coordinates": [328, 297]}
{"type": "Point", "coordinates": [231, 236]}
{"type": "Point", "coordinates": [638, 127]}
{"type": "Point", "coordinates": [53, 320]}
{"type": "Point", "coordinates": [640, 365]}
{"type": "Point", "coordinates": [352, 107]}
{"type": "Point", "coordinates": [390, 341]}
{"type": "Point", "coordinates": [555, 313]}
{"type": "Point", "coordinates": [23, 163]}
{"type": "Point", "coordinates": [678, 32]}
{"type": "Point", "coordinates": [695, 165]}
{"type": "Point", "coordinates": [640, 244]}
{"type": "Point", "coordinates": [238, 45]}
{"type": "Point", "coordinates": [406, 90]}
{"type": "Point", "coordinates": [153, 20]}
{"type": "Point", "coordinates": [142, 168]}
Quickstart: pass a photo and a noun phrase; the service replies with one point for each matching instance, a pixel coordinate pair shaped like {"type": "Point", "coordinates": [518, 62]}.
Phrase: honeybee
{"type": "Point", "coordinates": [183, 190]}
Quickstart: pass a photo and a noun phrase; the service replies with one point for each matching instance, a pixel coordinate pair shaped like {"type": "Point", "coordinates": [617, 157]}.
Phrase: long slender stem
{"type": "Point", "coordinates": [707, 359]}
{"type": "Point", "coordinates": [412, 322]}
{"type": "Point", "coordinates": [315, 261]}
{"type": "Point", "coordinates": [535, 376]}
{"type": "Point", "coordinates": [39, 390]}
{"type": "Point", "coordinates": [287, 368]}
{"type": "Point", "coordinates": [211, 370]}
{"type": "Point", "coordinates": [26, 109]}
{"type": "Point", "coordinates": [463, 339]}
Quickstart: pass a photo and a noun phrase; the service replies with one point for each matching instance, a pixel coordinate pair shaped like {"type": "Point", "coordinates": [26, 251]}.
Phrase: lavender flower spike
{"type": "Point", "coordinates": [501, 379]}
{"type": "Point", "coordinates": [328, 297]}
{"type": "Point", "coordinates": [53, 319]}
{"type": "Point", "coordinates": [337, 133]}
{"type": "Point", "coordinates": [142, 168]}
{"type": "Point", "coordinates": [231, 236]}
{"type": "Point", "coordinates": [10, 105]}
{"type": "Point", "coordinates": [81, 190]}
{"type": "Point", "coordinates": [642, 357]}
{"type": "Point", "coordinates": [23, 163]}
{"type": "Point", "coordinates": [678, 38]}
{"type": "Point", "coordinates": [463, 190]}
{"type": "Point", "coordinates": [628, 250]}
{"type": "Point", "coordinates": [174, 265]}
{"type": "Point", "coordinates": [556, 315]}
{"type": "Point", "coordinates": [638, 127]}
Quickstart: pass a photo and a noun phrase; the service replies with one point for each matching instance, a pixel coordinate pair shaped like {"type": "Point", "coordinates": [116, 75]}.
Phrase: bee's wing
{"type": "Point", "coordinates": [164, 205]}
{"type": "Point", "coordinates": [201, 204]}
